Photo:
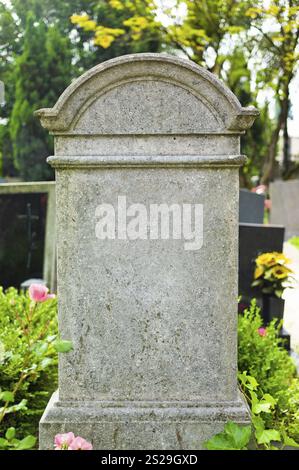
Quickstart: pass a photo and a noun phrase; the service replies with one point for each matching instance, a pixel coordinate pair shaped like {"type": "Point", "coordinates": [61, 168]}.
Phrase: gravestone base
{"type": "Point", "coordinates": [140, 425]}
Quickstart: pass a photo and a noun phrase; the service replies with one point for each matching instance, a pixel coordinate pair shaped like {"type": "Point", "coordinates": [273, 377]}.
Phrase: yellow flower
{"type": "Point", "coordinates": [280, 272]}
{"type": "Point", "coordinates": [116, 4]}
{"type": "Point", "coordinates": [270, 259]}
{"type": "Point", "coordinates": [104, 40]}
{"type": "Point", "coordinates": [282, 259]}
{"type": "Point", "coordinates": [79, 19]}
{"type": "Point", "coordinates": [89, 25]}
{"type": "Point", "coordinates": [259, 271]}
{"type": "Point", "coordinates": [266, 259]}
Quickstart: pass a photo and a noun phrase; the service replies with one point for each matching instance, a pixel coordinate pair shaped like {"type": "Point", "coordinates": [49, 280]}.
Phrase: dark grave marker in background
{"type": "Point", "coordinates": [255, 239]}
{"type": "Point", "coordinates": [27, 233]}
{"type": "Point", "coordinates": [22, 224]}
{"type": "Point", "coordinates": [285, 206]}
{"type": "Point", "coordinates": [251, 207]}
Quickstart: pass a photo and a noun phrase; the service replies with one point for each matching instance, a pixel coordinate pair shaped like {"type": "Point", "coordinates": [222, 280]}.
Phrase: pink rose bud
{"type": "Point", "coordinates": [262, 331]}
{"type": "Point", "coordinates": [80, 444]}
{"type": "Point", "coordinates": [63, 441]}
{"type": "Point", "coordinates": [261, 189]}
{"type": "Point", "coordinates": [39, 293]}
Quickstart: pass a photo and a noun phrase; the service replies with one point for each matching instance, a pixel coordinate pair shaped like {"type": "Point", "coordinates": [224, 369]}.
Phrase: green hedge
{"type": "Point", "coordinates": [42, 380]}
{"type": "Point", "coordinates": [264, 358]}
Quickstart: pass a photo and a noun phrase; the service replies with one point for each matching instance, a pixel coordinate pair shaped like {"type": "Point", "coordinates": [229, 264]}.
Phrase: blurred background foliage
{"type": "Point", "coordinates": [251, 45]}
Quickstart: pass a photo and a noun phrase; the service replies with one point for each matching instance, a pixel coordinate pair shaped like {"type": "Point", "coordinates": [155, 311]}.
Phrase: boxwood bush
{"type": "Point", "coordinates": [17, 342]}
{"type": "Point", "coordinates": [262, 355]}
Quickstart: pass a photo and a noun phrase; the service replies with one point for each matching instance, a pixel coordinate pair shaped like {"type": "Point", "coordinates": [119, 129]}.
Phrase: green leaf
{"type": "Point", "coordinates": [234, 437]}
{"type": "Point", "coordinates": [63, 345]}
{"type": "Point", "coordinates": [7, 396]}
{"type": "Point", "coordinates": [27, 443]}
{"type": "Point", "coordinates": [219, 442]}
{"type": "Point", "coordinates": [51, 338]}
{"type": "Point", "coordinates": [288, 441]}
{"type": "Point", "coordinates": [261, 407]}
{"type": "Point", "coordinates": [240, 435]}
{"type": "Point", "coordinates": [17, 407]}
{"type": "Point", "coordinates": [252, 383]}
{"type": "Point", "coordinates": [2, 353]}
{"type": "Point", "coordinates": [32, 368]}
{"type": "Point", "coordinates": [294, 241]}
{"type": "Point", "coordinates": [248, 381]}
{"type": "Point", "coordinates": [41, 348]}
{"type": "Point", "coordinates": [268, 398]}
{"type": "Point", "coordinates": [258, 423]}
{"type": "Point", "coordinates": [267, 435]}
{"type": "Point", "coordinates": [267, 290]}
{"type": "Point", "coordinates": [47, 361]}
{"type": "Point", "coordinates": [278, 293]}
{"type": "Point", "coordinates": [10, 434]}
{"type": "Point", "coordinates": [242, 377]}
{"type": "Point", "coordinates": [3, 443]}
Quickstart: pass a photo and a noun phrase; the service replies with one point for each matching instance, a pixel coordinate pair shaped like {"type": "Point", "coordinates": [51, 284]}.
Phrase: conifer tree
{"type": "Point", "coordinates": [42, 72]}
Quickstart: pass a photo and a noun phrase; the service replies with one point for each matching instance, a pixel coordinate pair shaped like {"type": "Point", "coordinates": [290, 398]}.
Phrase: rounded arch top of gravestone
{"type": "Point", "coordinates": [147, 94]}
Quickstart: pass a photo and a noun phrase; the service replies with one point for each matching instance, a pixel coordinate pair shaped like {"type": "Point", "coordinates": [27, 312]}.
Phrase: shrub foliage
{"type": "Point", "coordinates": [28, 362]}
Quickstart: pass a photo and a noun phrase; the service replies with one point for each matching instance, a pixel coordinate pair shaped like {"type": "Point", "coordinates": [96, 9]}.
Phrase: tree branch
{"type": "Point", "coordinates": [266, 37]}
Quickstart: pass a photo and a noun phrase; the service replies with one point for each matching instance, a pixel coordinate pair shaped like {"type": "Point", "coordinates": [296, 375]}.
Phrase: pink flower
{"type": "Point", "coordinates": [80, 444]}
{"type": "Point", "coordinates": [262, 331]}
{"type": "Point", "coordinates": [63, 441]}
{"type": "Point", "coordinates": [261, 189]}
{"type": "Point", "coordinates": [39, 293]}
{"type": "Point", "coordinates": [268, 204]}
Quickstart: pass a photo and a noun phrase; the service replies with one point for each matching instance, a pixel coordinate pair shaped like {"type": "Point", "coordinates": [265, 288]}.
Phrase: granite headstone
{"type": "Point", "coordinates": [254, 240]}
{"type": "Point", "coordinates": [251, 207]}
{"type": "Point", "coordinates": [285, 206]}
{"type": "Point", "coordinates": [27, 235]}
{"type": "Point", "coordinates": [152, 314]}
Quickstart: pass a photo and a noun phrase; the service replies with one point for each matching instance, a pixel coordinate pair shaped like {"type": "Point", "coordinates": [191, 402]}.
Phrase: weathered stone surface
{"type": "Point", "coordinates": [149, 299]}
{"type": "Point", "coordinates": [152, 82]}
{"type": "Point", "coordinates": [140, 425]}
{"type": "Point", "coordinates": [284, 210]}
{"type": "Point", "coordinates": [153, 324]}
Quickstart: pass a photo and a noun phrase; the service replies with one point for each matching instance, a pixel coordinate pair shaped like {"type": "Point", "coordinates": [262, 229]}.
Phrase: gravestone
{"type": "Point", "coordinates": [284, 208]}
{"type": "Point", "coordinates": [254, 240]}
{"type": "Point", "coordinates": [147, 293]}
{"type": "Point", "coordinates": [251, 207]}
{"type": "Point", "coordinates": [27, 233]}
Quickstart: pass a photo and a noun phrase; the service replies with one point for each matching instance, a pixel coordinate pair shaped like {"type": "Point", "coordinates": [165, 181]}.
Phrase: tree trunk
{"type": "Point", "coordinates": [286, 145]}
{"type": "Point", "coordinates": [269, 165]}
